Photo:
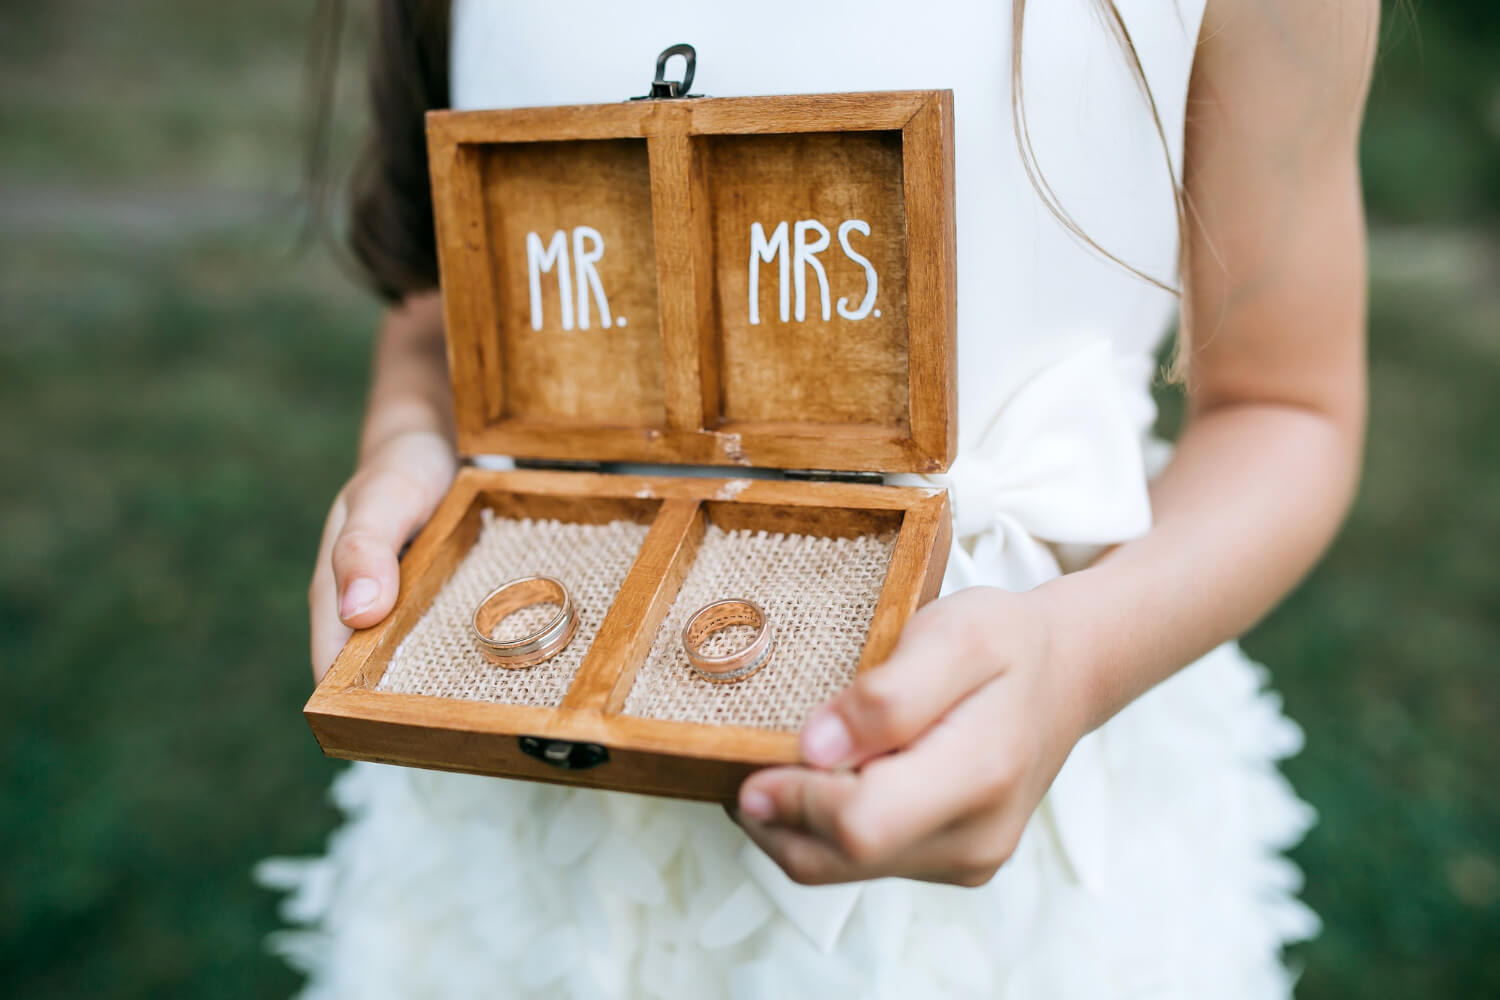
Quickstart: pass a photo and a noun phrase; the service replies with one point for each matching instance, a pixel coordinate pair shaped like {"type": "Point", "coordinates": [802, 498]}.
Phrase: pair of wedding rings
{"type": "Point", "coordinates": [553, 635]}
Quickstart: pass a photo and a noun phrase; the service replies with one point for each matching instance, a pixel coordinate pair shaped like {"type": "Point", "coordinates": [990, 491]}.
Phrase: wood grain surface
{"type": "Point", "coordinates": [690, 760]}
{"type": "Point", "coordinates": [673, 189]}
{"type": "Point", "coordinates": [648, 212]}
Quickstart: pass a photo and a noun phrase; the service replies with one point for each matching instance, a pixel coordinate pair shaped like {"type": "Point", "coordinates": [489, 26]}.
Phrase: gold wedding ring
{"type": "Point", "coordinates": [724, 614]}
{"type": "Point", "coordinates": [534, 647]}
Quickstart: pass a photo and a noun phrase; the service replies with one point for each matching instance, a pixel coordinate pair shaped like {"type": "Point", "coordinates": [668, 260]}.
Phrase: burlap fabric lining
{"type": "Point", "coordinates": [819, 595]}
{"type": "Point", "coordinates": [440, 657]}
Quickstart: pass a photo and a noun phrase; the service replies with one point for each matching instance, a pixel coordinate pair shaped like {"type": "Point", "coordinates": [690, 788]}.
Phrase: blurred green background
{"type": "Point", "coordinates": [180, 388]}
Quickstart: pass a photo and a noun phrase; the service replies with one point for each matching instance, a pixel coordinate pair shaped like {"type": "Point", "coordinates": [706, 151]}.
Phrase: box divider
{"type": "Point", "coordinates": [624, 637]}
{"type": "Point", "coordinates": [696, 760]}
{"type": "Point", "coordinates": [871, 111]}
{"type": "Point", "coordinates": [470, 312]}
{"type": "Point", "coordinates": [684, 280]}
{"type": "Point", "coordinates": [931, 281]}
{"type": "Point", "coordinates": [912, 578]}
{"type": "Point", "coordinates": [707, 739]}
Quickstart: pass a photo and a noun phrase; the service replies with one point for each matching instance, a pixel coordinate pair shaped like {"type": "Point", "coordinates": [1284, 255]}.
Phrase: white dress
{"type": "Point", "coordinates": [1153, 866]}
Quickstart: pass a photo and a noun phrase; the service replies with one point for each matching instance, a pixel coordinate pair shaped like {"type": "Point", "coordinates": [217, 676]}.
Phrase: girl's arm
{"type": "Point", "coordinates": [1275, 278]}
{"type": "Point", "coordinates": [406, 461]}
{"type": "Point", "coordinates": [957, 737]}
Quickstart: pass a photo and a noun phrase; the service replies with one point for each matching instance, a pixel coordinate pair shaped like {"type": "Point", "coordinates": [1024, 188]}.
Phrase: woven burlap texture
{"type": "Point", "coordinates": [819, 595]}
{"type": "Point", "coordinates": [440, 657]}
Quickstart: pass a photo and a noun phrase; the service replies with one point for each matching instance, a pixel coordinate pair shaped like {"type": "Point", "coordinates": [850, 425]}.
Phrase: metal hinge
{"type": "Point", "coordinates": [835, 476]}
{"type": "Point", "coordinates": [565, 464]}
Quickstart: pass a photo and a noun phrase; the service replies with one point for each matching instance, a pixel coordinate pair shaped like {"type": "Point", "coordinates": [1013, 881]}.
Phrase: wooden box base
{"type": "Point", "coordinates": [355, 716]}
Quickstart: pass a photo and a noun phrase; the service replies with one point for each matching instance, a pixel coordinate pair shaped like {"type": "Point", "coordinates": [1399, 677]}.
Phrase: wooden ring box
{"type": "Point", "coordinates": [596, 266]}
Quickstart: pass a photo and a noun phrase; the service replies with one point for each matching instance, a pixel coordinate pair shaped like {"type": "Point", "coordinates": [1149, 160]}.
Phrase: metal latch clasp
{"type": "Point", "coordinates": [661, 87]}
{"type": "Point", "coordinates": [565, 754]}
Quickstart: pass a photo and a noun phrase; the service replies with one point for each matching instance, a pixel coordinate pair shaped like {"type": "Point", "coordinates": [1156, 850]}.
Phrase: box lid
{"type": "Point", "coordinates": [759, 281]}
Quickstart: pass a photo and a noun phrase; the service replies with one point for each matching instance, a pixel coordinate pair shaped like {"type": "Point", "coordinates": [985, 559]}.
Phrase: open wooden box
{"type": "Point", "coordinates": [747, 282]}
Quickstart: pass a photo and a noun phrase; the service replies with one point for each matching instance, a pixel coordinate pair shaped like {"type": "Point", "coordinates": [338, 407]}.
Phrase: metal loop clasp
{"type": "Point", "coordinates": [564, 754]}
{"type": "Point", "coordinates": [661, 87]}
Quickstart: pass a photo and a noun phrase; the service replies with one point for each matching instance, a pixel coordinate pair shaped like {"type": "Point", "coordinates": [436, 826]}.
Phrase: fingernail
{"type": "Point", "coordinates": [756, 804]}
{"type": "Point", "coordinates": [826, 740]}
{"type": "Point", "coordinates": [358, 596]}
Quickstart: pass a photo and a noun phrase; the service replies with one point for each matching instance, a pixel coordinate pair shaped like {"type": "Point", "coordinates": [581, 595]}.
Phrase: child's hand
{"type": "Point", "coordinates": [954, 740]}
{"type": "Point", "coordinates": [392, 494]}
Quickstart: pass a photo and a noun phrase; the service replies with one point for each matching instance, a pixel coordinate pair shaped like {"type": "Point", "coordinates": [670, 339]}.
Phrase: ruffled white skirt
{"type": "Point", "coordinates": [450, 885]}
{"type": "Point", "coordinates": [1152, 869]}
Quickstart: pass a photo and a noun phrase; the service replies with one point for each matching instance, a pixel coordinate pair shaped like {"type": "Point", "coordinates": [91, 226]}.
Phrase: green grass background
{"type": "Point", "coordinates": [180, 388]}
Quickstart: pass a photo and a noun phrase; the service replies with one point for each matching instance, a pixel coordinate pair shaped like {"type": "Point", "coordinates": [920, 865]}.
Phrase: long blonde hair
{"type": "Point", "coordinates": [1110, 14]}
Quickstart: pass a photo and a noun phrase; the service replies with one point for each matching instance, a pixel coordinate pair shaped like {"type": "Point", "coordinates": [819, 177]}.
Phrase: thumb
{"type": "Point", "coordinates": [383, 512]}
{"type": "Point", "coordinates": [890, 705]}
